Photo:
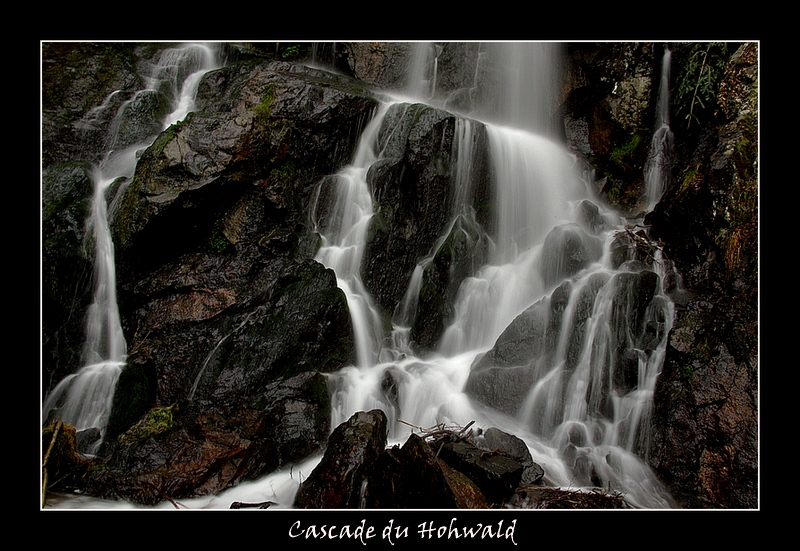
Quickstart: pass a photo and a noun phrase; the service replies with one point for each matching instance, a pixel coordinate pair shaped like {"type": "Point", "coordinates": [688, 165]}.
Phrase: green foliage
{"type": "Point", "coordinates": [291, 51]}
{"type": "Point", "coordinates": [698, 78]}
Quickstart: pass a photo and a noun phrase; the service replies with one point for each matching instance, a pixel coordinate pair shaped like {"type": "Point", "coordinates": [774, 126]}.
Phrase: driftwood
{"type": "Point", "coordinates": [441, 430]}
{"type": "Point", "coordinates": [257, 505]}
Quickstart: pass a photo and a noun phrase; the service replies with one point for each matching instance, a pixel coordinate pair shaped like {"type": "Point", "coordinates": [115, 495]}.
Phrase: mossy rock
{"type": "Point", "coordinates": [156, 421]}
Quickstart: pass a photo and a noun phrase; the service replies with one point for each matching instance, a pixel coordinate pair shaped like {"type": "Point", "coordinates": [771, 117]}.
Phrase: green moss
{"type": "Point", "coordinates": [264, 107]}
{"type": "Point", "coordinates": [284, 174]}
{"type": "Point", "coordinates": [217, 240]}
{"type": "Point", "coordinates": [690, 177]}
{"type": "Point", "coordinates": [165, 137]}
{"type": "Point", "coordinates": [612, 191]}
{"type": "Point", "coordinates": [126, 213]}
{"type": "Point", "coordinates": [624, 154]}
{"type": "Point", "coordinates": [156, 421]}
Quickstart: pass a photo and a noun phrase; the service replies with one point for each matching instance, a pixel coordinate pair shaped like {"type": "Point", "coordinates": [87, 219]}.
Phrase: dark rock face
{"type": "Point", "coordinates": [608, 113]}
{"type": "Point", "coordinates": [76, 78]}
{"type": "Point", "coordinates": [338, 480]}
{"type": "Point", "coordinates": [194, 450]}
{"type": "Point", "coordinates": [226, 313]}
{"type": "Point", "coordinates": [214, 240]}
{"type": "Point", "coordinates": [706, 433]}
{"type": "Point", "coordinates": [414, 191]}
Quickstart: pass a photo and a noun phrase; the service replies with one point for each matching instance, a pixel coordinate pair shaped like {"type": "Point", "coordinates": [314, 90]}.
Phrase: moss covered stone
{"type": "Point", "coordinates": [156, 421]}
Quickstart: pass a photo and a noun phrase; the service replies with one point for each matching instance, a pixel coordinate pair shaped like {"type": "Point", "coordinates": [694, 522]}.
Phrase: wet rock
{"type": "Point", "coordinates": [339, 479]}
{"type": "Point", "coordinates": [191, 450]}
{"type": "Point", "coordinates": [462, 252]}
{"type": "Point", "coordinates": [439, 469]}
{"type": "Point", "coordinates": [494, 439]}
{"type": "Point", "coordinates": [495, 473]}
{"type": "Point", "coordinates": [411, 476]}
{"type": "Point", "coordinates": [412, 194]}
{"type": "Point", "coordinates": [566, 251]}
{"type": "Point", "coordinates": [607, 114]}
{"type": "Point", "coordinates": [705, 438]}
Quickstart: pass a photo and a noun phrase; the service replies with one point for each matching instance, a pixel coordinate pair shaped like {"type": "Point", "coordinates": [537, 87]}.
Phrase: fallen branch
{"type": "Point", "coordinates": [56, 430]}
{"type": "Point", "coordinates": [441, 430]}
{"type": "Point", "coordinates": [258, 505]}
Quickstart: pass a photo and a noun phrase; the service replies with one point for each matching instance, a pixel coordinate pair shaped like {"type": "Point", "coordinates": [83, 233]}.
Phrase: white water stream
{"type": "Point", "coordinates": [661, 144]}
{"type": "Point", "coordinates": [538, 187]}
{"type": "Point", "coordinates": [84, 398]}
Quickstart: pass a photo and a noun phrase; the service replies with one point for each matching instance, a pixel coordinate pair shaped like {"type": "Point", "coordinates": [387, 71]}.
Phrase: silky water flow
{"type": "Point", "coordinates": [582, 426]}
{"type": "Point", "coordinates": [84, 398]}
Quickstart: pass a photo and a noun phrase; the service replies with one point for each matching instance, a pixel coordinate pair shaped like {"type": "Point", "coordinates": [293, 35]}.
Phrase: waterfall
{"type": "Point", "coordinates": [344, 240]}
{"type": "Point", "coordinates": [83, 399]}
{"type": "Point", "coordinates": [577, 419]}
{"type": "Point", "coordinates": [661, 144]}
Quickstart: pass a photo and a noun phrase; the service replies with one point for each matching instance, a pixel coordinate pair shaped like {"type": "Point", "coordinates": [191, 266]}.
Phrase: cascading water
{"type": "Point", "coordinates": [84, 398]}
{"type": "Point", "coordinates": [580, 424]}
{"type": "Point", "coordinates": [661, 143]}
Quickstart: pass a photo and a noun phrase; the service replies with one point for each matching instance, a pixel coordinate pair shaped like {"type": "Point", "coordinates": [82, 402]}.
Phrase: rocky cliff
{"type": "Point", "coordinates": [231, 324]}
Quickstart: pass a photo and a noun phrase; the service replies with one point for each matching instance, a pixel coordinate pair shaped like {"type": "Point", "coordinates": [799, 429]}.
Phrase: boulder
{"type": "Point", "coordinates": [411, 476]}
{"type": "Point", "coordinates": [339, 479]}
{"type": "Point", "coordinates": [439, 469]}
{"type": "Point", "coordinates": [494, 472]}
{"type": "Point", "coordinates": [494, 439]}
{"type": "Point", "coordinates": [413, 188]}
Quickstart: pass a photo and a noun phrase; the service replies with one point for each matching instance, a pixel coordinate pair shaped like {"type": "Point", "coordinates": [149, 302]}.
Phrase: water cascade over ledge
{"type": "Point", "coordinates": [585, 408]}
{"type": "Point", "coordinates": [84, 398]}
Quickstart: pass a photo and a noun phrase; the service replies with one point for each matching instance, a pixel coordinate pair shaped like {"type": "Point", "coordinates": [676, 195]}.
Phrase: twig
{"type": "Point", "coordinates": [53, 438]}
{"type": "Point", "coordinates": [468, 425]}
